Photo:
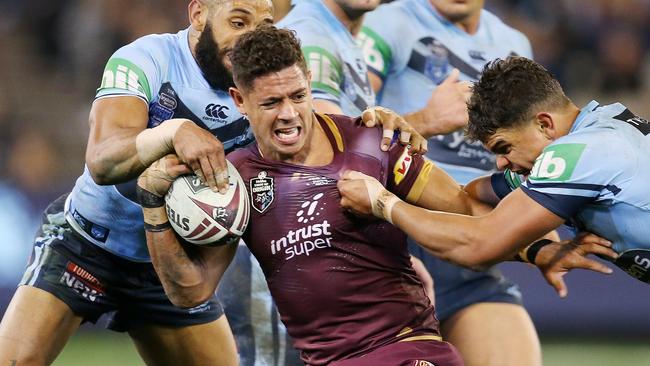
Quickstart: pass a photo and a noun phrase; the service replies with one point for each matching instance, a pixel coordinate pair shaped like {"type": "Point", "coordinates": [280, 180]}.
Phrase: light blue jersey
{"type": "Point", "coordinates": [413, 49]}
{"type": "Point", "coordinates": [161, 70]}
{"type": "Point", "coordinates": [338, 71]}
{"type": "Point", "coordinates": [596, 177]}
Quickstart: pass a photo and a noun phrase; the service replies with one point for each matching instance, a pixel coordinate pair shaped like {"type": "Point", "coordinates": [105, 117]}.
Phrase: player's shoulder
{"type": "Point", "coordinates": [354, 135]}
{"type": "Point", "coordinates": [155, 46]}
{"type": "Point", "coordinates": [505, 31]}
{"type": "Point", "coordinates": [386, 17]}
{"type": "Point", "coordinates": [242, 157]}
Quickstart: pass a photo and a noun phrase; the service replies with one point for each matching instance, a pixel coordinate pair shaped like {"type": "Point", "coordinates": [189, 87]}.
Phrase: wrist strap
{"type": "Point", "coordinates": [148, 199]}
{"type": "Point", "coordinates": [157, 228]}
{"type": "Point", "coordinates": [529, 253]}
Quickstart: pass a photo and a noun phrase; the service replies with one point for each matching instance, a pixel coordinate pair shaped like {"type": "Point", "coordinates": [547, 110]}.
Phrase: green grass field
{"type": "Point", "coordinates": [111, 349]}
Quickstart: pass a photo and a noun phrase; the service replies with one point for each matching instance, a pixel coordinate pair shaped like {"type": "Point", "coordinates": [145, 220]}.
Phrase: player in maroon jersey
{"type": "Point", "coordinates": [344, 285]}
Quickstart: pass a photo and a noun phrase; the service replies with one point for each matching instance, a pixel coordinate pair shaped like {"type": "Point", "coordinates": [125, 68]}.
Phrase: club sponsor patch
{"type": "Point", "coordinates": [123, 74]}
{"type": "Point", "coordinates": [557, 162]}
{"type": "Point", "coordinates": [82, 282]}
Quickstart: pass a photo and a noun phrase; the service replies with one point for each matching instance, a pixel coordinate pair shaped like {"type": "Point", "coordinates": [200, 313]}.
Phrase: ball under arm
{"type": "Point", "coordinates": [153, 143]}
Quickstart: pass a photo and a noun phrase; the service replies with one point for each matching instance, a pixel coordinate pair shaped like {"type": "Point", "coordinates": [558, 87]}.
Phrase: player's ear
{"type": "Point", "coordinates": [198, 13]}
{"type": "Point", "coordinates": [547, 125]}
{"type": "Point", "coordinates": [238, 98]}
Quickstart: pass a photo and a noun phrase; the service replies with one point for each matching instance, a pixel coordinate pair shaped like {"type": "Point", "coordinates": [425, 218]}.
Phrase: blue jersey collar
{"type": "Point", "coordinates": [584, 112]}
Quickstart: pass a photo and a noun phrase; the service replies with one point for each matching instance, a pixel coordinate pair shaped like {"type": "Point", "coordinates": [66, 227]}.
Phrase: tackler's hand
{"type": "Point", "coordinates": [364, 195]}
{"type": "Point", "coordinates": [556, 259]}
{"type": "Point", "coordinates": [392, 122]}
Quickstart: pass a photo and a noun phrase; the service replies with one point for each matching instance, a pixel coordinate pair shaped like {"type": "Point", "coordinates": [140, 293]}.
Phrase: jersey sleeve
{"type": "Point", "coordinates": [572, 173]}
{"type": "Point", "coordinates": [380, 41]}
{"type": "Point", "coordinates": [323, 61]}
{"type": "Point", "coordinates": [131, 70]}
{"type": "Point", "coordinates": [408, 174]}
{"type": "Point", "coordinates": [505, 182]}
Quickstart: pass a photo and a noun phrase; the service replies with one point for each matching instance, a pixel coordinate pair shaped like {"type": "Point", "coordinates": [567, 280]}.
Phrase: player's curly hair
{"type": "Point", "coordinates": [509, 93]}
{"type": "Point", "coordinates": [262, 51]}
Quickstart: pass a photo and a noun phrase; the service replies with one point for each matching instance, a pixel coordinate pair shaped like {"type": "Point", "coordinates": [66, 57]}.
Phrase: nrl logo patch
{"type": "Point", "coordinates": [261, 189]}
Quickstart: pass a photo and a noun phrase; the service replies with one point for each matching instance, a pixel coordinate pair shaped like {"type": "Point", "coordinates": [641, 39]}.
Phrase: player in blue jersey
{"type": "Point", "coordinates": [584, 166]}
{"type": "Point", "coordinates": [160, 94]}
{"type": "Point", "coordinates": [415, 49]}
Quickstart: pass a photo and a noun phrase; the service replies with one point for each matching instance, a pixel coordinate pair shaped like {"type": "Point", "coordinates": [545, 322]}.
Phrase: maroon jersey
{"type": "Point", "coordinates": [343, 285]}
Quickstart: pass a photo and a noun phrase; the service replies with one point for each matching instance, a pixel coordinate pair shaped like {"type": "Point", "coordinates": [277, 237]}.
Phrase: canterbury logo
{"type": "Point", "coordinates": [216, 110]}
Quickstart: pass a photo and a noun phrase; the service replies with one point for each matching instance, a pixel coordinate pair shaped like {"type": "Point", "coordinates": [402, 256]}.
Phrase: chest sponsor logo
{"type": "Point", "coordinates": [82, 282]}
{"type": "Point", "coordinates": [557, 162]}
{"type": "Point", "coordinates": [261, 189]}
{"type": "Point", "coordinates": [313, 231]}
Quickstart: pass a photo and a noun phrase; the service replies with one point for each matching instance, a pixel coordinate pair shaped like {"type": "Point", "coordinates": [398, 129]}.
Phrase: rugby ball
{"type": "Point", "coordinates": [203, 217]}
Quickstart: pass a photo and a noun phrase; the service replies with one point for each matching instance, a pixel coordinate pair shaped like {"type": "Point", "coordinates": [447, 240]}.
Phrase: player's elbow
{"type": "Point", "coordinates": [98, 169]}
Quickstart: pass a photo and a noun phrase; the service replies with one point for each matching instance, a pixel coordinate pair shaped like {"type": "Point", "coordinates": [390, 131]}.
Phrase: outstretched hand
{"type": "Point", "coordinates": [556, 259]}
{"type": "Point", "coordinates": [161, 174]}
{"type": "Point", "coordinates": [392, 122]}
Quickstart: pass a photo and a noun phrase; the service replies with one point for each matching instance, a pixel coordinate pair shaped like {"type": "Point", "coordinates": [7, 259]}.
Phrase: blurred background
{"type": "Point", "coordinates": [53, 54]}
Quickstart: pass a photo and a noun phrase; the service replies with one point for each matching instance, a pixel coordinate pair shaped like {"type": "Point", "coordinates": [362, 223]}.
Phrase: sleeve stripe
{"type": "Point", "coordinates": [581, 186]}
{"type": "Point", "coordinates": [565, 206]}
{"type": "Point", "coordinates": [420, 182]}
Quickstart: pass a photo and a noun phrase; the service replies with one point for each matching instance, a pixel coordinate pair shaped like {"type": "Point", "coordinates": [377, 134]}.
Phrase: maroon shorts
{"type": "Point", "coordinates": [408, 353]}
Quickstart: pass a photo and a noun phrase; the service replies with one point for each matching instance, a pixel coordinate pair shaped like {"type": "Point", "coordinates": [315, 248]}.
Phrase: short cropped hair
{"type": "Point", "coordinates": [509, 93]}
{"type": "Point", "coordinates": [262, 51]}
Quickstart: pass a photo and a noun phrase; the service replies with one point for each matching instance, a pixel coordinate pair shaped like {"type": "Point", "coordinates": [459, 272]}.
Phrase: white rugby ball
{"type": "Point", "coordinates": [203, 217]}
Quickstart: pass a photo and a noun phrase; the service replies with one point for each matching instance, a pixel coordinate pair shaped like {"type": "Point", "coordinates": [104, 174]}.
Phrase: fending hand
{"type": "Point", "coordinates": [392, 122]}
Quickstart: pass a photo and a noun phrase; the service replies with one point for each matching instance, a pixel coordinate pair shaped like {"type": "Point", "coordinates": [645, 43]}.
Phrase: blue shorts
{"type": "Point", "coordinates": [457, 287]}
{"type": "Point", "coordinates": [94, 282]}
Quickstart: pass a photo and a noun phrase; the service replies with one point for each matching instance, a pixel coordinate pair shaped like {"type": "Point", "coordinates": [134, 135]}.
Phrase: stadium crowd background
{"type": "Point", "coordinates": [53, 54]}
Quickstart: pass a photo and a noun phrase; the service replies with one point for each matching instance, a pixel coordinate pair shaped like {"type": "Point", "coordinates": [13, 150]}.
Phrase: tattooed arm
{"type": "Point", "coordinates": [189, 273]}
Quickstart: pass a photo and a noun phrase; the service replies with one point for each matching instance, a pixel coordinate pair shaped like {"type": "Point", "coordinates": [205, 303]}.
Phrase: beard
{"type": "Point", "coordinates": [210, 60]}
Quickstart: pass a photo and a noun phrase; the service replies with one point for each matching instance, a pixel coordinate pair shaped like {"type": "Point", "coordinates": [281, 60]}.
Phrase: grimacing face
{"type": "Point", "coordinates": [457, 10]}
{"type": "Point", "coordinates": [518, 147]}
{"type": "Point", "coordinates": [279, 108]}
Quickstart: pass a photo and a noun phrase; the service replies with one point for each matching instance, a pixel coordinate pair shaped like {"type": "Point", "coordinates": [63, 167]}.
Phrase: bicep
{"type": "Point", "coordinates": [482, 190]}
{"type": "Point", "coordinates": [442, 193]}
{"type": "Point", "coordinates": [216, 260]}
{"type": "Point", "coordinates": [376, 81]}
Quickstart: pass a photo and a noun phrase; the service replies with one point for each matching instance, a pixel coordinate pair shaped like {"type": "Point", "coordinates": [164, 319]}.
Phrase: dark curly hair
{"type": "Point", "coordinates": [509, 93]}
{"type": "Point", "coordinates": [262, 51]}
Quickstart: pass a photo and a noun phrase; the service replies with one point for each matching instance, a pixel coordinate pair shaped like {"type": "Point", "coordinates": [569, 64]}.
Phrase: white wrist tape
{"type": "Point", "coordinates": [381, 200]}
{"type": "Point", "coordinates": [154, 143]}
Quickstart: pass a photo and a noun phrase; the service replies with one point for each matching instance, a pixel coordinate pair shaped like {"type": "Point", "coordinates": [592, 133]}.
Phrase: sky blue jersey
{"type": "Point", "coordinates": [160, 70]}
{"type": "Point", "coordinates": [597, 178]}
{"type": "Point", "coordinates": [338, 71]}
{"type": "Point", "coordinates": [413, 49]}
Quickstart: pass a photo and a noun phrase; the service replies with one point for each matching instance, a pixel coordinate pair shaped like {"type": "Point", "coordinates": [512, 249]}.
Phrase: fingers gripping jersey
{"type": "Point", "coordinates": [597, 177]}
{"type": "Point", "coordinates": [413, 49]}
{"type": "Point", "coordinates": [338, 71]}
{"type": "Point", "coordinates": [161, 70]}
{"type": "Point", "coordinates": [343, 285]}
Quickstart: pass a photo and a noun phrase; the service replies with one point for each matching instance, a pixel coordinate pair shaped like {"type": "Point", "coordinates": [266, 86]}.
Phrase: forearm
{"type": "Point", "coordinates": [184, 275]}
{"type": "Point", "coordinates": [428, 126]}
{"type": "Point", "coordinates": [114, 159]}
{"type": "Point", "coordinates": [455, 238]}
